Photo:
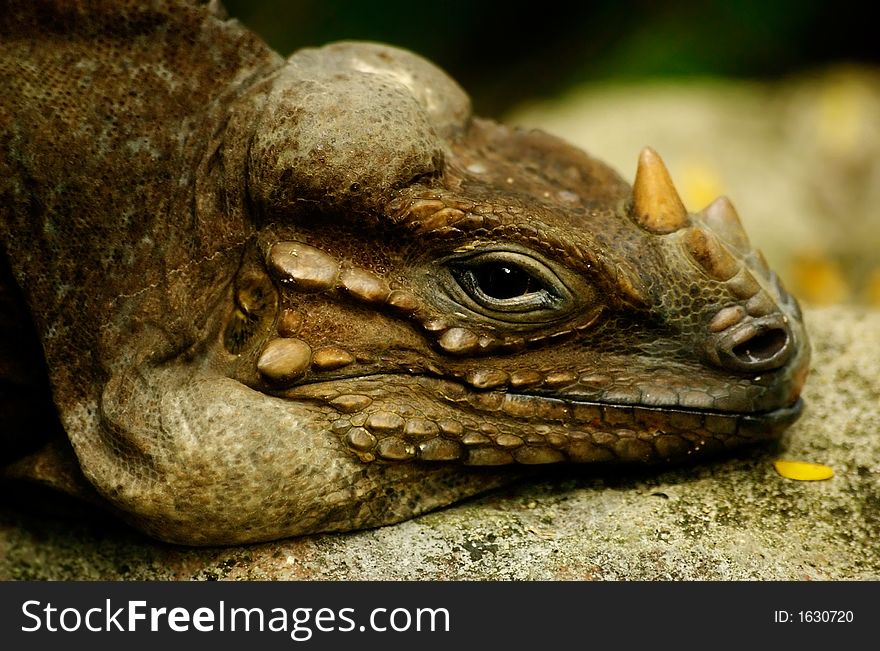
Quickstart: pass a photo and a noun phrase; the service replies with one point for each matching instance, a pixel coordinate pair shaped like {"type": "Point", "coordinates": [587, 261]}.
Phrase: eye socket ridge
{"type": "Point", "coordinates": [509, 282]}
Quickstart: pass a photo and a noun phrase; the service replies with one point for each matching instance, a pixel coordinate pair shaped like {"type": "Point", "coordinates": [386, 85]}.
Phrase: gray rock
{"type": "Point", "coordinates": [731, 519]}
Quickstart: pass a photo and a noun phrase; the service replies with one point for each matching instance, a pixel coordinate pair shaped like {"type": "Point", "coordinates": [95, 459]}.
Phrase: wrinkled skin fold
{"type": "Point", "coordinates": [275, 297]}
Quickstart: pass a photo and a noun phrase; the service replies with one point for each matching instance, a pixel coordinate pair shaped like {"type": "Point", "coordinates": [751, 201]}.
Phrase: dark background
{"type": "Point", "coordinates": [506, 52]}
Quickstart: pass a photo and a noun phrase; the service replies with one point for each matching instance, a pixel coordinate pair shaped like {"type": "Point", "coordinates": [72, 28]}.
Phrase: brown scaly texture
{"type": "Point", "coordinates": [278, 297]}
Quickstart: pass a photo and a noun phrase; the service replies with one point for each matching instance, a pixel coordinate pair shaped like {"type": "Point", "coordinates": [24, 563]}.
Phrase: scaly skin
{"type": "Point", "coordinates": [279, 297]}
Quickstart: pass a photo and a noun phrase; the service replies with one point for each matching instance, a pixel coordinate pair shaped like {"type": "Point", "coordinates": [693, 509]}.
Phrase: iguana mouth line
{"type": "Point", "coordinates": [762, 415]}
{"type": "Point", "coordinates": [560, 408]}
{"type": "Point", "coordinates": [444, 420]}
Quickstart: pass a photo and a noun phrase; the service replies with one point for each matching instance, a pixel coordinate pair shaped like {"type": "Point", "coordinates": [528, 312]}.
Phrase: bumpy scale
{"type": "Point", "coordinates": [285, 296]}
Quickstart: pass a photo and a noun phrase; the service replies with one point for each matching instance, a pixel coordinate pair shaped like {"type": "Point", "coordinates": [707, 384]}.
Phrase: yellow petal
{"type": "Point", "coordinates": [802, 471]}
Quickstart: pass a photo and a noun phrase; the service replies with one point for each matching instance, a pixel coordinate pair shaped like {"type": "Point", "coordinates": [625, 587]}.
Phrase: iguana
{"type": "Point", "coordinates": [270, 297]}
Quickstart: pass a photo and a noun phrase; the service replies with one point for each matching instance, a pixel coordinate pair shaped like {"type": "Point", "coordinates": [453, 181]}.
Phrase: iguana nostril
{"type": "Point", "coordinates": [757, 344]}
{"type": "Point", "coordinates": [761, 348]}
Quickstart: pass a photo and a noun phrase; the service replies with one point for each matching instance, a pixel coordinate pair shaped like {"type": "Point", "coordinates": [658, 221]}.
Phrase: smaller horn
{"type": "Point", "coordinates": [656, 205]}
{"type": "Point", "coordinates": [721, 217]}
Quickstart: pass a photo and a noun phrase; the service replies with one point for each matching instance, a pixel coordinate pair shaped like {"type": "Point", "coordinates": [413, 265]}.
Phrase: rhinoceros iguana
{"type": "Point", "coordinates": [268, 297]}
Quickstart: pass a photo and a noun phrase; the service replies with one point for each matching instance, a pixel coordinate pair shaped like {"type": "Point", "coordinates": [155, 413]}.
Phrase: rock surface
{"type": "Point", "coordinates": [732, 519]}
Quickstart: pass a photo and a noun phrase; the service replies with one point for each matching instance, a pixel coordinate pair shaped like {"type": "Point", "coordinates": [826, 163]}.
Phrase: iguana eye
{"type": "Point", "coordinates": [508, 282]}
{"type": "Point", "coordinates": [501, 280]}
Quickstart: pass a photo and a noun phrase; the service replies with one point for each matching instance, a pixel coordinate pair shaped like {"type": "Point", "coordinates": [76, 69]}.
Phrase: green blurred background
{"type": "Point", "coordinates": [505, 52]}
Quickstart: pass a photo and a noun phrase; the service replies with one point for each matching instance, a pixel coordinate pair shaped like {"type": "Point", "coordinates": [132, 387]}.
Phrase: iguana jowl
{"type": "Point", "coordinates": [284, 296]}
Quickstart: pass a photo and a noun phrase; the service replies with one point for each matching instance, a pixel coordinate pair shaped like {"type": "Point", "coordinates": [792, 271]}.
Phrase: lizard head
{"type": "Point", "coordinates": [377, 295]}
{"type": "Point", "coordinates": [461, 291]}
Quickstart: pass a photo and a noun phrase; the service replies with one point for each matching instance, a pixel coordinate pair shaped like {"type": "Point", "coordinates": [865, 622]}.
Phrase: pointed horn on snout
{"type": "Point", "coordinates": [656, 205]}
{"type": "Point", "coordinates": [721, 217]}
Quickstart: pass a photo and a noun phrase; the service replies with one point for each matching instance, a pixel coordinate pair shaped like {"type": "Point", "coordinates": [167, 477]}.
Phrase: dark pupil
{"type": "Point", "coordinates": [502, 281]}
